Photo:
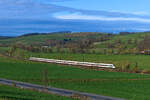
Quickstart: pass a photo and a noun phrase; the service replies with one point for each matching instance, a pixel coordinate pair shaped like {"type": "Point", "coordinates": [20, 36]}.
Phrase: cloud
{"type": "Point", "coordinates": [19, 26]}
{"type": "Point", "coordinates": [79, 16]}
{"type": "Point", "coordinates": [25, 16]}
{"type": "Point", "coordinates": [28, 9]}
{"type": "Point", "coordinates": [55, 0]}
{"type": "Point", "coordinates": [141, 13]}
{"type": "Point", "coordinates": [32, 9]}
{"type": "Point", "coordinates": [22, 1]}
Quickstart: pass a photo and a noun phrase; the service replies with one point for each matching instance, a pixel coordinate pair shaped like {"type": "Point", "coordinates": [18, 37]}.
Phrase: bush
{"type": "Point", "coordinates": [145, 71]}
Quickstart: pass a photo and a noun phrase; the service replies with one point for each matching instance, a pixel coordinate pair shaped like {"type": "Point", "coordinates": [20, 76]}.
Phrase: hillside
{"type": "Point", "coordinates": [42, 38]}
{"type": "Point", "coordinates": [124, 39]}
{"type": "Point", "coordinates": [87, 40]}
{"type": "Point", "coordinates": [115, 84]}
{"type": "Point", "coordinates": [122, 50]}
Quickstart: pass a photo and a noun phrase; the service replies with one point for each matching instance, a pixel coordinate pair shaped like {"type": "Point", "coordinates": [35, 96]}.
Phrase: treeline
{"type": "Point", "coordinates": [5, 37]}
{"type": "Point", "coordinates": [126, 33]}
{"type": "Point", "coordinates": [32, 34]}
{"type": "Point", "coordinates": [80, 45]}
{"type": "Point", "coordinates": [68, 45]}
{"type": "Point", "coordinates": [145, 44]}
{"type": "Point", "coordinates": [85, 43]}
{"type": "Point", "coordinates": [139, 47]}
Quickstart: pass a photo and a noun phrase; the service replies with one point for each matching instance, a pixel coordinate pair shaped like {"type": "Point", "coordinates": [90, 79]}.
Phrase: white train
{"type": "Point", "coordinates": [77, 63]}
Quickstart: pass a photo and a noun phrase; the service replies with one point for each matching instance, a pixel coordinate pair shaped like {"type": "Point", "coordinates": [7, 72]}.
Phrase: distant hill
{"type": "Point", "coordinates": [5, 37]}
{"type": "Point", "coordinates": [41, 38]}
{"type": "Point", "coordinates": [32, 34]}
{"type": "Point", "coordinates": [123, 40]}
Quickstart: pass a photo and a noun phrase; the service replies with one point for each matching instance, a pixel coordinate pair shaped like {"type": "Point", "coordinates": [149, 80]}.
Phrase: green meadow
{"type": "Point", "coordinates": [116, 84]}
{"type": "Point", "coordinates": [130, 86]}
{"type": "Point", "coordinates": [118, 60]}
{"type": "Point", "coordinates": [12, 93]}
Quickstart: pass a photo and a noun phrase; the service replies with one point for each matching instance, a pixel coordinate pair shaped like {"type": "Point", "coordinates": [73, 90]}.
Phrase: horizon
{"type": "Point", "coordinates": [42, 16]}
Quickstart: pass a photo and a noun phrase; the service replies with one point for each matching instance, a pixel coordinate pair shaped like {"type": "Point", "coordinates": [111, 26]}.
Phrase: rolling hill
{"type": "Point", "coordinates": [40, 39]}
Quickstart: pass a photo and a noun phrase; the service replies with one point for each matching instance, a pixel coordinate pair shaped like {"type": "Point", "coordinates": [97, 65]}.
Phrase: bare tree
{"type": "Point", "coordinates": [45, 78]}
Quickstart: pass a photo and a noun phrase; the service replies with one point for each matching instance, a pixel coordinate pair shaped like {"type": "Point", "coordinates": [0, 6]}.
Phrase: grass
{"type": "Point", "coordinates": [124, 39]}
{"type": "Point", "coordinates": [41, 39]}
{"type": "Point", "coordinates": [118, 60]}
{"type": "Point", "coordinates": [115, 84]}
{"type": "Point", "coordinates": [4, 49]}
{"type": "Point", "coordinates": [12, 93]}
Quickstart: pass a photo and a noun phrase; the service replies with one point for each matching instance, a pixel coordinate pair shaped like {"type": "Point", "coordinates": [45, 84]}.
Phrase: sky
{"type": "Point", "coordinates": [18, 17]}
{"type": "Point", "coordinates": [124, 6]}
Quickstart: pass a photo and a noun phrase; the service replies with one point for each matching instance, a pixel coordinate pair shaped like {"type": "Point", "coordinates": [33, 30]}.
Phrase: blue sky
{"type": "Point", "coordinates": [127, 6]}
{"type": "Point", "coordinates": [27, 16]}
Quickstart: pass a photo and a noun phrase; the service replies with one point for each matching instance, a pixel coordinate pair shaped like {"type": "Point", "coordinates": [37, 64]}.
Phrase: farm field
{"type": "Point", "coordinates": [124, 39]}
{"type": "Point", "coordinates": [12, 93]}
{"type": "Point", "coordinates": [74, 50]}
{"type": "Point", "coordinates": [117, 60]}
{"type": "Point", "coordinates": [41, 39]}
{"type": "Point", "coordinates": [115, 84]}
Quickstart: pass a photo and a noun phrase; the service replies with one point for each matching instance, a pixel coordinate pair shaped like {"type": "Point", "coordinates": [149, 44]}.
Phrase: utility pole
{"type": "Point", "coordinates": [83, 58]}
{"type": "Point", "coordinates": [45, 77]}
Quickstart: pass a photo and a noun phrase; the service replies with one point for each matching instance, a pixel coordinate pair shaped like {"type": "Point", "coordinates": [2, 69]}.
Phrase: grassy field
{"type": "Point", "coordinates": [124, 39]}
{"type": "Point", "coordinates": [116, 84]}
{"type": "Point", "coordinates": [118, 60]}
{"type": "Point", "coordinates": [11, 93]}
{"type": "Point", "coordinates": [41, 39]}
